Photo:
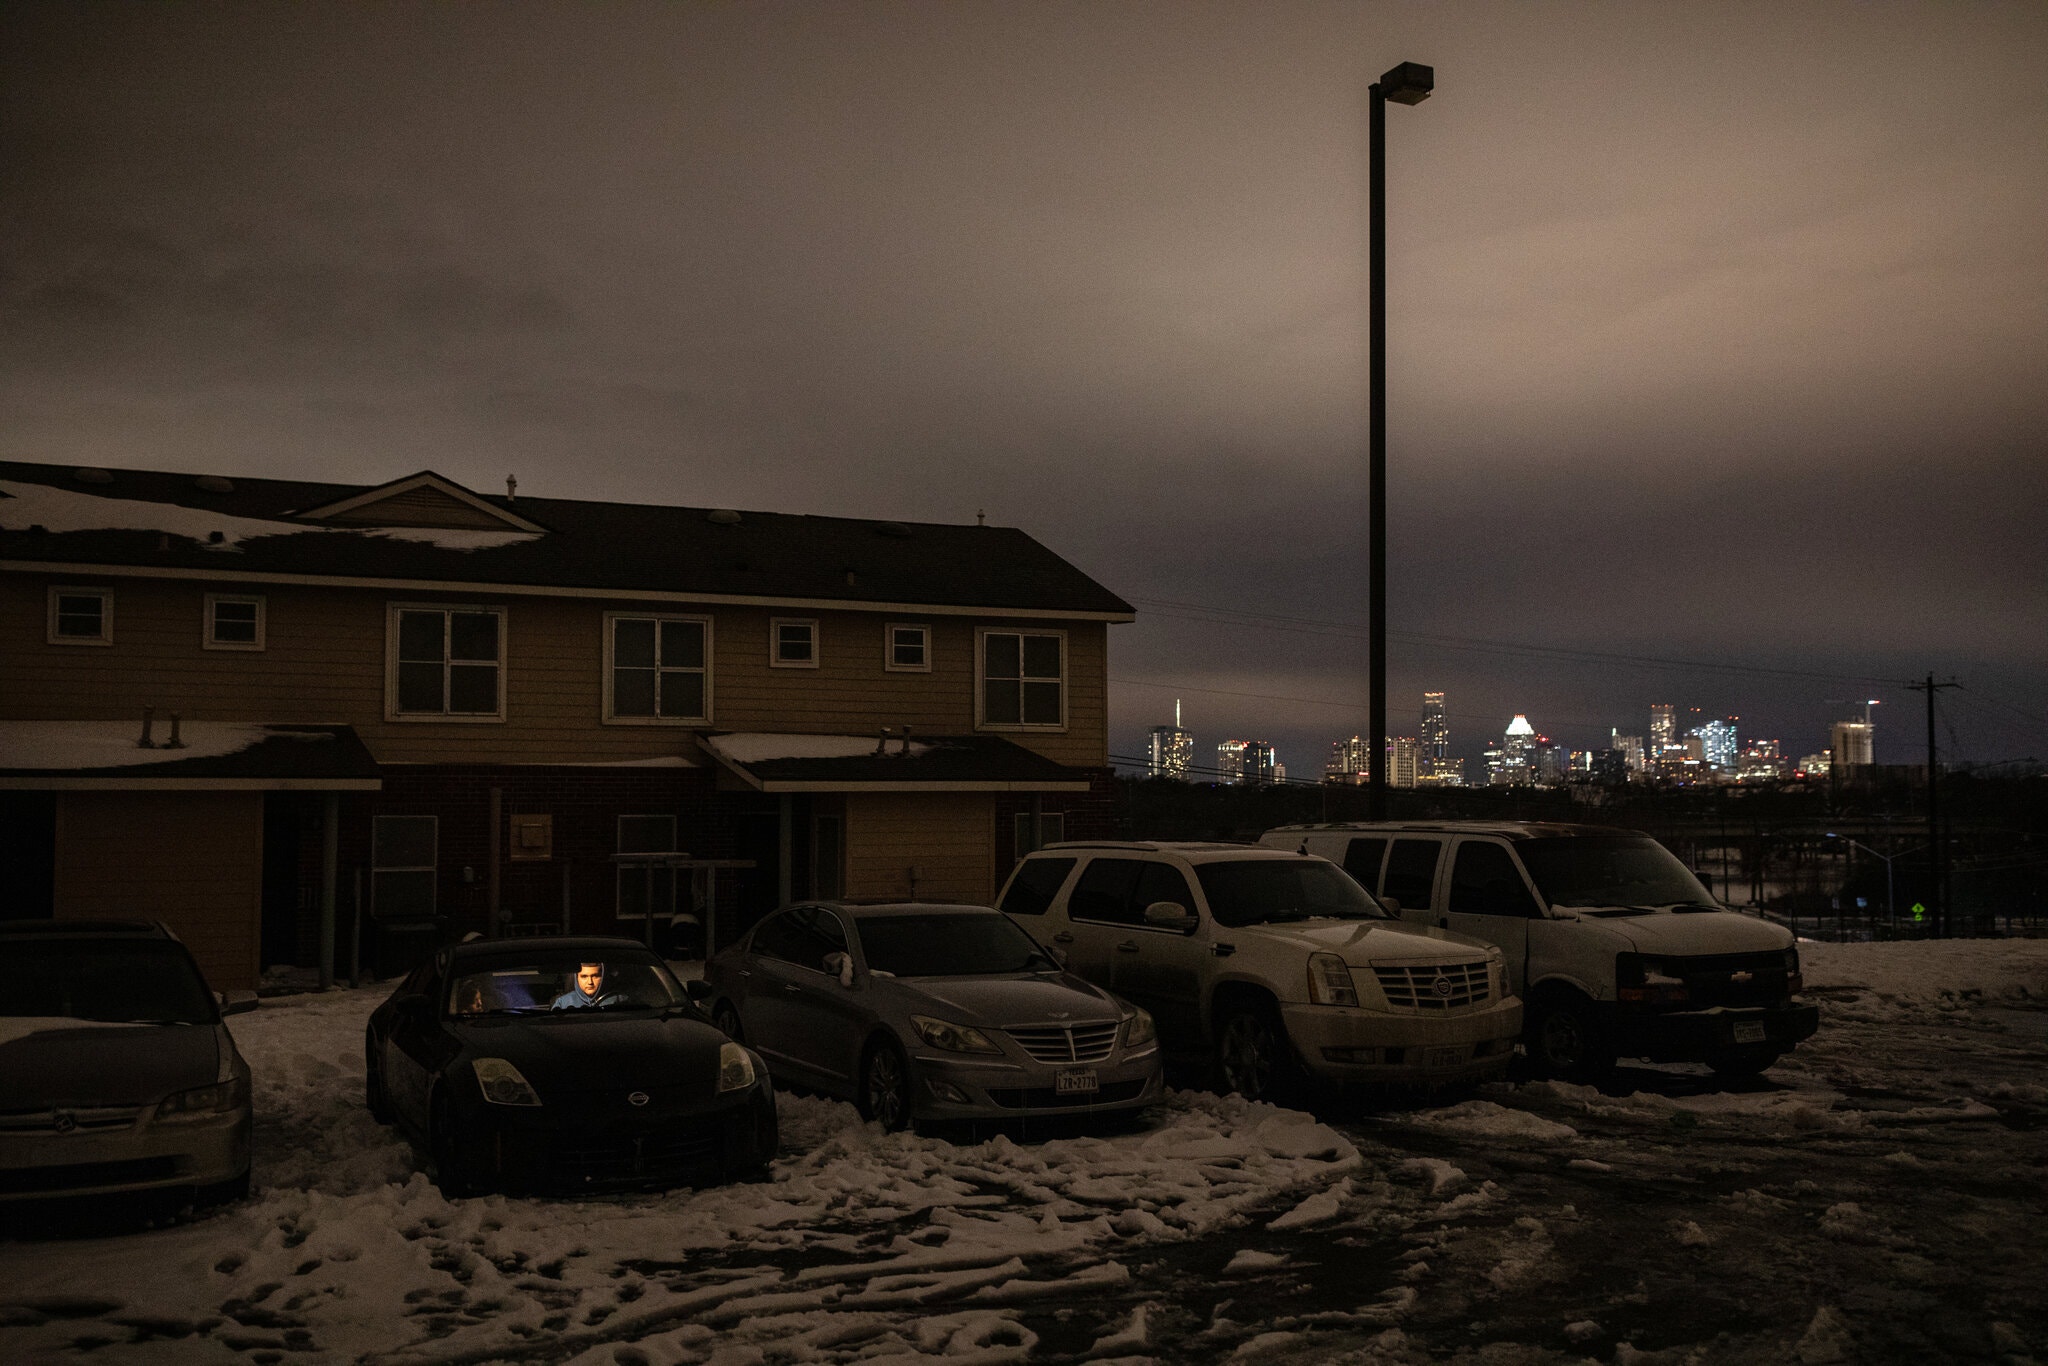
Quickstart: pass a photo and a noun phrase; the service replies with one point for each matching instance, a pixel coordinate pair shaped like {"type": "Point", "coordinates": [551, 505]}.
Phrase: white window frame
{"type": "Point", "coordinates": [610, 717]}
{"type": "Point", "coordinates": [981, 721]}
{"type": "Point", "coordinates": [775, 659]}
{"type": "Point", "coordinates": [392, 613]}
{"type": "Point", "coordinates": [889, 647]}
{"type": "Point", "coordinates": [640, 870]}
{"type": "Point", "coordinates": [106, 635]}
{"type": "Point", "coordinates": [432, 869]}
{"type": "Point", "coordinates": [1052, 828]}
{"type": "Point", "coordinates": [209, 619]}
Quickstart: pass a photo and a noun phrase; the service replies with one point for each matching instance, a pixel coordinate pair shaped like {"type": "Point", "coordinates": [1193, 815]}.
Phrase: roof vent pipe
{"type": "Point", "coordinates": [148, 716]}
{"type": "Point", "coordinates": [511, 489]}
{"type": "Point", "coordinates": [174, 742]}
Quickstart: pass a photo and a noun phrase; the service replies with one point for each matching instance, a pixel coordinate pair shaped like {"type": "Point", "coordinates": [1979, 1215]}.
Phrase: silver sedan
{"type": "Point", "coordinates": [917, 1011]}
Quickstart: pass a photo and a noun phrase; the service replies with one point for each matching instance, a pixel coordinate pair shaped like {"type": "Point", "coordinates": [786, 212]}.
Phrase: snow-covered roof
{"type": "Point", "coordinates": [776, 761]}
{"type": "Point", "coordinates": [210, 754]}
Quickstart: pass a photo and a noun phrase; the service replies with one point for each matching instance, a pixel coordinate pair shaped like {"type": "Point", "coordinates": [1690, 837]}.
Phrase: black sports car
{"type": "Point", "coordinates": [564, 1064]}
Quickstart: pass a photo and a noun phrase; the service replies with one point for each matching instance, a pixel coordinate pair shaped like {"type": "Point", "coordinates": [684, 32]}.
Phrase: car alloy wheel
{"type": "Point", "coordinates": [1253, 1057]}
{"type": "Point", "coordinates": [1567, 1041]}
{"type": "Point", "coordinates": [885, 1086]}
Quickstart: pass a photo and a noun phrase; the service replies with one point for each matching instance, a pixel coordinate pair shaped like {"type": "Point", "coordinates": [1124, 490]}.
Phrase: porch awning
{"type": "Point", "coordinates": [775, 762]}
{"type": "Point", "coordinates": [211, 756]}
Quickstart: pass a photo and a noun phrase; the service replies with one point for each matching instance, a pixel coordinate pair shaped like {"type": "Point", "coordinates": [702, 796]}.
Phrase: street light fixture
{"type": "Point", "coordinates": [1408, 83]}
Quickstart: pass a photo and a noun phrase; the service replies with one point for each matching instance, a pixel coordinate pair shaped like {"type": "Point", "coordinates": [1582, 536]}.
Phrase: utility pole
{"type": "Point", "coordinates": [1938, 865]}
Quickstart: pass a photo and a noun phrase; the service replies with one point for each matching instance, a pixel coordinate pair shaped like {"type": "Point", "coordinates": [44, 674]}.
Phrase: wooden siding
{"type": "Point", "coordinates": [419, 507]}
{"type": "Point", "coordinates": [948, 837]}
{"type": "Point", "coordinates": [324, 660]}
{"type": "Point", "coordinates": [193, 860]}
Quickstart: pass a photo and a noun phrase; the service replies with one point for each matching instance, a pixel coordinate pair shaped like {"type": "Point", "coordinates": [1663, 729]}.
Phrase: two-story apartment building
{"type": "Point", "coordinates": [304, 721]}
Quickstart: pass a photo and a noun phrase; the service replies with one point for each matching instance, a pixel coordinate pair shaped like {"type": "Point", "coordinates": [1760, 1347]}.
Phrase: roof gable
{"type": "Point", "coordinates": [423, 499]}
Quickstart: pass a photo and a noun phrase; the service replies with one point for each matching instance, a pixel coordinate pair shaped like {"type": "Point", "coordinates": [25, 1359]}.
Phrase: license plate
{"type": "Point", "coordinates": [1752, 1032]}
{"type": "Point", "coordinates": [1081, 1082]}
{"type": "Point", "coordinates": [1442, 1057]}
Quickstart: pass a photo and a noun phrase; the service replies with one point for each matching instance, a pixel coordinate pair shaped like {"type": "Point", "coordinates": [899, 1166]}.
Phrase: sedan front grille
{"type": "Point", "coordinates": [64, 1120]}
{"type": "Point", "coordinates": [1067, 1043]}
{"type": "Point", "coordinates": [1434, 986]}
{"type": "Point", "coordinates": [601, 1160]}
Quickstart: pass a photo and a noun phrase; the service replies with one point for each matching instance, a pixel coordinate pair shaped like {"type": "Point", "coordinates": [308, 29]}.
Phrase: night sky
{"type": "Point", "coordinates": [1718, 335]}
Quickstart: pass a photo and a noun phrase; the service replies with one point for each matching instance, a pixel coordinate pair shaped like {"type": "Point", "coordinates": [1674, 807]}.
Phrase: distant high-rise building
{"type": "Point", "coordinates": [1852, 743]}
{"type": "Point", "coordinates": [1631, 748]}
{"type": "Point", "coordinates": [1548, 761]}
{"type": "Point", "coordinates": [1245, 762]}
{"type": "Point", "coordinates": [1663, 727]}
{"type": "Point", "coordinates": [1436, 731]}
{"type": "Point", "coordinates": [1608, 767]}
{"type": "Point", "coordinates": [1718, 744]}
{"type": "Point", "coordinates": [1173, 750]}
{"type": "Point", "coordinates": [1761, 762]}
{"type": "Point", "coordinates": [1517, 767]}
{"type": "Point", "coordinates": [1403, 754]}
{"type": "Point", "coordinates": [1279, 770]}
{"type": "Point", "coordinates": [1347, 761]}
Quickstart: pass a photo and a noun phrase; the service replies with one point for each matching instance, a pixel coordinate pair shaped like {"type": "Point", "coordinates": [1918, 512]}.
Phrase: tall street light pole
{"type": "Point", "coordinates": [1408, 83]}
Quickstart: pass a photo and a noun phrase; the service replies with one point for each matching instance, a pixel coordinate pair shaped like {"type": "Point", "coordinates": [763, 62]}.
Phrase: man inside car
{"type": "Point", "coordinates": [588, 991]}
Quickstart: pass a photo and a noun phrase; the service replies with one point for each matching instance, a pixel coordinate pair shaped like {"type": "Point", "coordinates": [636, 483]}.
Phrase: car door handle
{"type": "Point", "coordinates": [1063, 938]}
{"type": "Point", "coordinates": [1443, 922]}
{"type": "Point", "coordinates": [792, 988]}
{"type": "Point", "coordinates": [1127, 947]}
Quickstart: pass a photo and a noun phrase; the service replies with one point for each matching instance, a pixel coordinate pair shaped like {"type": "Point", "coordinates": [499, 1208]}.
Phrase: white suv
{"type": "Point", "coordinates": [1613, 942]}
{"type": "Point", "coordinates": [1277, 966]}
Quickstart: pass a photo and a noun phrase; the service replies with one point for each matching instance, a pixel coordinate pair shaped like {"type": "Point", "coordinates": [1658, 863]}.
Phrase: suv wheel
{"type": "Point", "coordinates": [1254, 1057]}
{"type": "Point", "coordinates": [1565, 1039]}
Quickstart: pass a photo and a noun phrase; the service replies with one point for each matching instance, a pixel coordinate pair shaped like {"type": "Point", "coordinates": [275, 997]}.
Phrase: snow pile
{"type": "Point", "coordinates": [864, 1244]}
{"type": "Point", "coordinates": [758, 747]}
{"type": "Point", "coordinates": [112, 744]}
{"type": "Point", "coordinates": [1876, 982]}
{"type": "Point", "coordinates": [59, 509]}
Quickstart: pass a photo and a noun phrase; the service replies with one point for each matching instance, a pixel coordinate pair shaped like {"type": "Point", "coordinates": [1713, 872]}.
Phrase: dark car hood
{"type": "Point", "coordinates": [1037, 999]}
{"type": "Point", "coordinates": [52, 1062]}
{"type": "Point", "coordinates": [598, 1052]}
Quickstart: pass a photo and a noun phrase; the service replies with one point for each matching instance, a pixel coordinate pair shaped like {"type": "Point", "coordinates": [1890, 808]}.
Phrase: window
{"type": "Point", "coordinates": [1411, 872]}
{"type": "Point", "coordinates": [402, 868]}
{"type": "Point", "coordinates": [656, 669]}
{"type": "Point", "coordinates": [81, 616]}
{"type": "Point", "coordinates": [447, 662]}
{"type": "Point", "coordinates": [793, 644]}
{"type": "Point", "coordinates": [1052, 828]}
{"type": "Point", "coordinates": [1362, 860]}
{"type": "Point", "coordinates": [804, 937]}
{"type": "Point", "coordinates": [1023, 679]}
{"type": "Point", "coordinates": [646, 886]}
{"type": "Point", "coordinates": [1104, 891]}
{"type": "Point", "coordinates": [908, 649]}
{"type": "Point", "coordinates": [1485, 881]}
{"type": "Point", "coordinates": [233, 623]}
{"type": "Point", "coordinates": [1036, 884]}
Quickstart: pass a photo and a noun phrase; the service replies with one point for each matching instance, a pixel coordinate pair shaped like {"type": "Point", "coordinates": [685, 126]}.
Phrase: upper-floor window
{"type": "Point", "coordinates": [447, 662]}
{"type": "Point", "coordinates": [233, 623]}
{"type": "Point", "coordinates": [908, 649]}
{"type": "Point", "coordinates": [1023, 678]}
{"type": "Point", "coordinates": [656, 669]}
{"type": "Point", "coordinates": [793, 643]}
{"type": "Point", "coordinates": [81, 616]}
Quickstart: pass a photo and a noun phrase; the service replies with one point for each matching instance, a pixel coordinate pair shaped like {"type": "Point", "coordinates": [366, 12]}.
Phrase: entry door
{"type": "Point", "coordinates": [1491, 900]}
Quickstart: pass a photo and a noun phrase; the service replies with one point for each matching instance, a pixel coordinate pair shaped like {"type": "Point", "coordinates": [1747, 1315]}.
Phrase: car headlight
{"type": "Point", "coordinates": [1329, 981]}
{"type": "Point", "coordinates": [735, 1068]}
{"type": "Point", "coordinates": [502, 1084]}
{"type": "Point", "coordinates": [954, 1038]}
{"type": "Point", "coordinates": [204, 1102]}
{"type": "Point", "coordinates": [1139, 1028]}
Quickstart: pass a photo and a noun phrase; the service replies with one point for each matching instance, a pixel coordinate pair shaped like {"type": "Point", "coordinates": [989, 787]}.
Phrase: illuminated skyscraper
{"type": "Point", "coordinates": [1718, 747]}
{"type": "Point", "coordinates": [1403, 752]}
{"type": "Point", "coordinates": [1663, 728]}
{"type": "Point", "coordinates": [1631, 748]}
{"type": "Point", "coordinates": [1173, 750]}
{"type": "Point", "coordinates": [1852, 743]}
{"type": "Point", "coordinates": [1516, 766]}
{"type": "Point", "coordinates": [1347, 761]}
{"type": "Point", "coordinates": [1436, 731]}
{"type": "Point", "coordinates": [1245, 762]}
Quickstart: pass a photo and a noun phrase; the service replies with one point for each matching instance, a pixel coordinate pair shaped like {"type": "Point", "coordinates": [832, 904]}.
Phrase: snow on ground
{"type": "Point", "coordinates": [1877, 1195]}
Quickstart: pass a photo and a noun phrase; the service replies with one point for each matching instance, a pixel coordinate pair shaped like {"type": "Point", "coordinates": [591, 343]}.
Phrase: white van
{"type": "Point", "coordinates": [1614, 945]}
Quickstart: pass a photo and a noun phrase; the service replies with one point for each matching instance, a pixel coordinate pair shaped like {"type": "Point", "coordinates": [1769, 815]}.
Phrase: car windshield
{"type": "Point", "coordinates": [1269, 891]}
{"type": "Point", "coordinates": [1610, 870]}
{"type": "Point", "coordinates": [114, 981]}
{"type": "Point", "coordinates": [949, 946]}
{"type": "Point", "coordinates": [565, 982]}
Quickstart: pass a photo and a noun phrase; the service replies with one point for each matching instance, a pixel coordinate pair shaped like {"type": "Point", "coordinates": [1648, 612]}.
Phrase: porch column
{"type": "Point", "coordinates": [330, 871]}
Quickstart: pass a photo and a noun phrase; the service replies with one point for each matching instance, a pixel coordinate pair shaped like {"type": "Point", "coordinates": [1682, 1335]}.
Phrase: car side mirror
{"type": "Point", "coordinates": [699, 991]}
{"type": "Point", "coordinates": [1392, 903]}
{"type": "Point", "coordinates": [1171, 915]}
{"type": "Point", "coordinates": [236, 1002]}
{"type": "Point", "coordinates": [840, 965]}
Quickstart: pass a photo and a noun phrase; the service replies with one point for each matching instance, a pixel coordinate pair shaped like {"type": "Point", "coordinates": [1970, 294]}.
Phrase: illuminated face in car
{"type": "Point", "coordinates": [590, 979]}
